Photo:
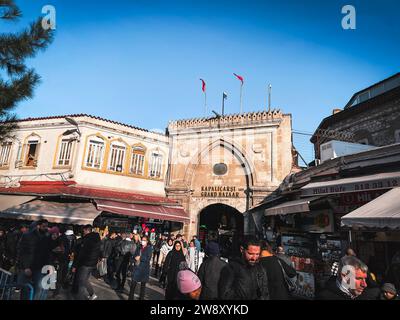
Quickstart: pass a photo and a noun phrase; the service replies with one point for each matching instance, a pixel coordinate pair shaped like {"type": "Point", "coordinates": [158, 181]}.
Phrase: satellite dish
{"type": "Point", "coordinates": [72, 121]}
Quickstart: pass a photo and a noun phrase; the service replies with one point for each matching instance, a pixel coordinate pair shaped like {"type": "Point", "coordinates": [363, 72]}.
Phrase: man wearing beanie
{"type": "Point", "coordinates": [189, 284]}
{"type": "Point", "coordinates": [210, 272]}
{"type": "Point", "coordinates": [389, 292]}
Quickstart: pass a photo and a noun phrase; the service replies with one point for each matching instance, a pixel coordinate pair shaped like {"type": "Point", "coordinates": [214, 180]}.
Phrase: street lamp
{"type": "Point", "coordinates": [74, 123]}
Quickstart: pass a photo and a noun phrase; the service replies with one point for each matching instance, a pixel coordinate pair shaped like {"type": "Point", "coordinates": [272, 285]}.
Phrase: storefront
{"type": "Point", "coordinates": [78, 206]}
{"type": "Point", "coordinates": [329, 216]}
{"type": "Point", "coordinates": [309, 233]}
{"type": "Point", "coordinates": [375, 231]}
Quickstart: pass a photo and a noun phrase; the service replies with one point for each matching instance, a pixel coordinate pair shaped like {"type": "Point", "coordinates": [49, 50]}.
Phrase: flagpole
{"type": "Point", "coordinates": [223, 103]}
{"type": "Point", "coordinates": [269, 97]}
{"type": "Point", "coordinates": [205, 103]}
{"type": "Point", "coordinates": [241, 88]}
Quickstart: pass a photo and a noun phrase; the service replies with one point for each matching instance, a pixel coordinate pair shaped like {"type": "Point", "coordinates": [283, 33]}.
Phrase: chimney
{"type": "Point", "coordinates": [336, 110]}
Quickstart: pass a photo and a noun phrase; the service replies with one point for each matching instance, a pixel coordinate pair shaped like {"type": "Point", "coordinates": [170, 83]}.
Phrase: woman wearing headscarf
{"type": "Point", "coordinates": [193, 257]}
{"type": "Point", "coordinates": [174, 262]}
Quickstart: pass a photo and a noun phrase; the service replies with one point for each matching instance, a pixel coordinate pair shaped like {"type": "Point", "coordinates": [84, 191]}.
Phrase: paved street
{"type": "Point", "coordinates": [105, 292]}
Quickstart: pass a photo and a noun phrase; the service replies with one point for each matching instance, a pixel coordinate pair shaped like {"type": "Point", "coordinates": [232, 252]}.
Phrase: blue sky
{"type": "Point", "coordinates": [139, 61]}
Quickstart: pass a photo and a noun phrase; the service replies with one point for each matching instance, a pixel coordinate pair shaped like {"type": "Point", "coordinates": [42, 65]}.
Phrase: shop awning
{"type": "Point", "coordinates": [383, 212]}
{"type": "Point", "coordinates": [378, 181]}
{"type": "Point", "coordinates": [7, 201]}
{"type": "Point", "coordinates": [79, 213]}
{"type": "Point", "coordinates": [169, 213]}
{"type": "Point", "coordinates": [295, 206]}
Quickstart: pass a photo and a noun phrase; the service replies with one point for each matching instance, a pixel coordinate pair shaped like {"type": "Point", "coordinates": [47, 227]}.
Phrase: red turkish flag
{"type": "Point", "coordinates": [203, 86]}
{"type": "Point", "coordinates": [239, 77]}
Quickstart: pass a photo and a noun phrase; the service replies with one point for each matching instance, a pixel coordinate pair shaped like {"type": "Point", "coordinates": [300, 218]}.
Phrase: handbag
{"type": "Point", "coordinates": [102, 267]}
{"type": "Point", "coordinates": [291, 283]}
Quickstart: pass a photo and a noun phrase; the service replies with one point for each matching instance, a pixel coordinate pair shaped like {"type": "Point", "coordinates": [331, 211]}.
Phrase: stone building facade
{"type": "Point", "coordinates": [104, 154]}
{"type": "Point", "coordinates": [372, 116]}
{"type": "Point", "coordinates": [227, 163]}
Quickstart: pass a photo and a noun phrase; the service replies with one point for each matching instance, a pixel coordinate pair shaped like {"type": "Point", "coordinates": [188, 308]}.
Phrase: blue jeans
{"type": "Point", "coordinates": [40, 293]}
{"type": "Point", "coordinates": [83, 274]}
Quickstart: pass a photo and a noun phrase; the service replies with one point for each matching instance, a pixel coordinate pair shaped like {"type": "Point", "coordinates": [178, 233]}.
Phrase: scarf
{"type": "Point", "coordinates": [193, 259]}
{"type": "Point", "coordinates": [173, 266]}
{"type": "Point", "coordinates": [344, 289]}
{"type": "Point", "coordinates": [165, 249]}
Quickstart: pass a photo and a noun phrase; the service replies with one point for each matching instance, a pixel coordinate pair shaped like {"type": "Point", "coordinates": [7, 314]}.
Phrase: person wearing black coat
{"type": "Point", "coordinates": [278, 288]}
{"type": "Point", "coordinates": [86, 262]}
{"type": "Point", "coordinates": [210, 271]}
{"type": "Point", "coordinates": [141, 271]}
{"type": "Point", "coordinates": [2, 246]}
{"type": "Point", "coordinates": [108, 246]}
{"type": "Point", "coordinates": [12, 240]}
{"type": "Point", "coordinates": [244, 278]}
{"type": "Point", "coordinates": [33, 253]}
{"type": "Point", "coordinates": [339, 288]}
{"type": "Point", "coordinates": [124, 251]}
{"type": "Point", "coordinates": [174, 261]}
{"type": "Point", "coordinates": [68, 240]}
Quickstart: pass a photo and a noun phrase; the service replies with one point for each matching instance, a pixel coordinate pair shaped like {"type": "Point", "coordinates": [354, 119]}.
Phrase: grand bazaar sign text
{"type": "Point", "coordinates": [219, 192]}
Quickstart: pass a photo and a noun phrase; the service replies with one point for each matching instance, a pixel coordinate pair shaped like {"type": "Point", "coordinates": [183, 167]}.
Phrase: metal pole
{"type": "Point", "coordinates": [269, 98]}
{"type": "Point", "coordinates": [205, 103]}
{"type": "Point", "coordinates": [241, 87]}
{"type": "Point", "coordinates": [223, 103]}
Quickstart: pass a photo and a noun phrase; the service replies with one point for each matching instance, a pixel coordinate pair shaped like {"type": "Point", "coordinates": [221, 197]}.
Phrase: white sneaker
{"type": "Point", "coordinates": [93, 297]}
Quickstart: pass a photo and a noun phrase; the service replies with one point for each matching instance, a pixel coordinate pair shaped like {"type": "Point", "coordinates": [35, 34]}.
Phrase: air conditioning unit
{"type": "Point", "coordinates": [334, 149]}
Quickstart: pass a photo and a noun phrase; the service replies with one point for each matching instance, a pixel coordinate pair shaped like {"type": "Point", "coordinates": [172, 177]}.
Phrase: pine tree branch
{"type": "Point", "coordinates": [9, 10]}
{"type": "Point", "coordinates": [8, 125]}
{"type": "Point", "coordinates": [15, 48]}
{"type": "Point", "coordinates": [17, 90]}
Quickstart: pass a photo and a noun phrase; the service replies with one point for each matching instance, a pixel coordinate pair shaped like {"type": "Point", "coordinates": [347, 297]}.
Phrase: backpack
{"type": "Point", "coordinates": [127, 247]}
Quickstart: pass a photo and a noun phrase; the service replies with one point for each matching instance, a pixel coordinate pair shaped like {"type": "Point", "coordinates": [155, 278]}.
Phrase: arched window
{"type": "Point", "coordinates": [156, 161]}
{"type": "Point", "coordinates": [65, 151]}
{"type": "Point", "coordinates": [5, 152]}
{"type": "Point", "coordinates": [31, 151]}
{"type": "Point", "coordinates": [116, 161]}
{"type": "Point", "coordinates": [137, 162]}
{"type": "Point", "coordinates": [95, 152]}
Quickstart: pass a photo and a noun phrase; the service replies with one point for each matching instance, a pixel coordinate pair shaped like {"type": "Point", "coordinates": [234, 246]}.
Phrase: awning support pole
{"type": "Point", "coordinates": [350, 240]}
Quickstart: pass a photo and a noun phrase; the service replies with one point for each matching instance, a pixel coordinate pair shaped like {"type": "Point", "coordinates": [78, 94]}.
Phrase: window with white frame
{"type": "Point", "coordinates": [95, 153]}
{"type": "Point", "coordinates": [137, 163]}
{"type": "Point", "coordinates": [117, 157]}
{"type": "Point", "coordinates": [155, 165]}
{"type": "Point", "coordinates": [5, 151]}
{"type": "Point", "coordinates": [65, 152]}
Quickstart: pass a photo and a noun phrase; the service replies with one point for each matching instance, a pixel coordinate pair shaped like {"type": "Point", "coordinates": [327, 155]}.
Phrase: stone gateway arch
{"type": "Point", "coordinates": [221, 167]}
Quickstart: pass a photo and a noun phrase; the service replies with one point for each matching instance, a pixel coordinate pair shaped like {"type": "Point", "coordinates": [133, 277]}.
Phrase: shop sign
{"type": "Point", "coordinates": [319, 221]}
{"type": "Point", "coordinates": [219, 192]}
{"type": "Point", "coordinates": [359, 198]}
{"type": "Point", "coordinates": [387, 183]}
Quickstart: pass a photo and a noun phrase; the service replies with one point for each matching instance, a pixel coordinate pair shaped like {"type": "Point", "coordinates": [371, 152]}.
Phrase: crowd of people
{"type": "Point", "coordinates": [185, 269]}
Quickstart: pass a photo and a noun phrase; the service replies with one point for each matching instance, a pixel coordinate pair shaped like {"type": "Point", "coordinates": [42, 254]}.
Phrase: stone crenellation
{"type": "Point", "coordinates": [232, 119]}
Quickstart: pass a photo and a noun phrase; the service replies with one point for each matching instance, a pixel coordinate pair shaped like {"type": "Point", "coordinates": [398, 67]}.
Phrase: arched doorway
{"type": "Point", "coordinates": [226, 224]}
